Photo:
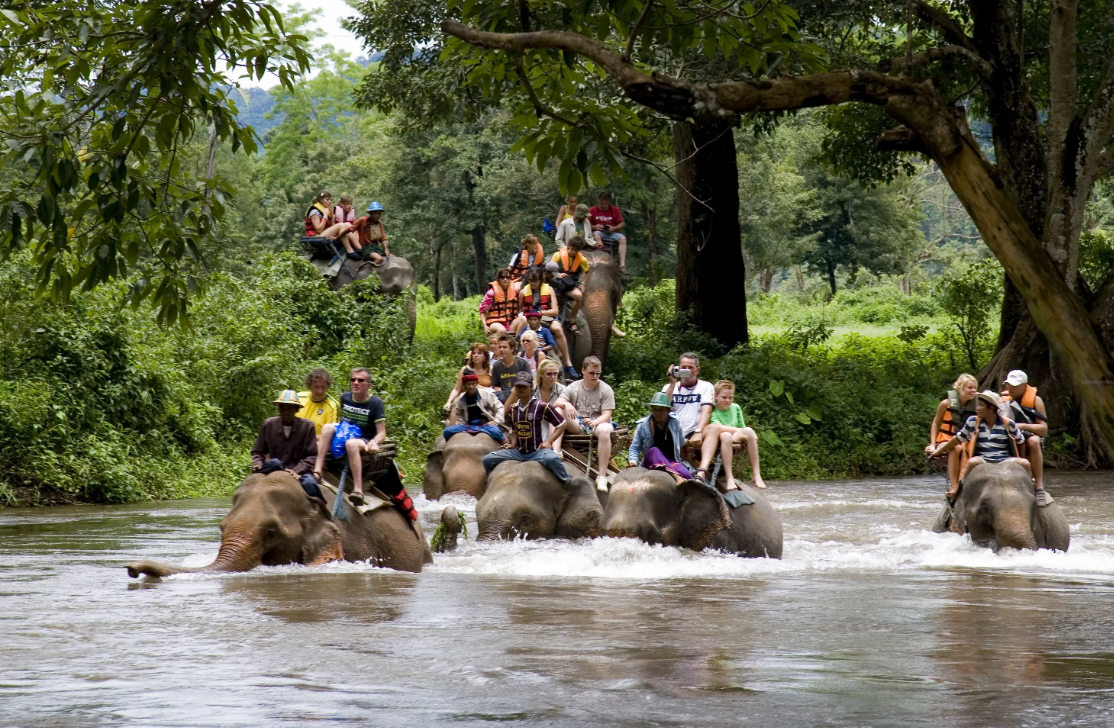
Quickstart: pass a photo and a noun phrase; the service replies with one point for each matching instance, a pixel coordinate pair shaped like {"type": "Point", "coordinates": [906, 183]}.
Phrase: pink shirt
{"type": "Point", "coordinates": [339, 215]}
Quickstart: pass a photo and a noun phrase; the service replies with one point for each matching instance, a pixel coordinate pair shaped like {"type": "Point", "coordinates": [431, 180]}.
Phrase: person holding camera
{"type": "Point", "coordinates": [607, 222]}
{"type": "Point", "coordinates": [693, 400]}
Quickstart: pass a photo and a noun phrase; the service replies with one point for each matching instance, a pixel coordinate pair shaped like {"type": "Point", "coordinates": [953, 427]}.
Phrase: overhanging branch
{"type": "Point", "coordinates": [937, 18]}
{"type": "Point", "coordinates": [540, 107]}
{"type": "Point", "coordinates": [973, 60]}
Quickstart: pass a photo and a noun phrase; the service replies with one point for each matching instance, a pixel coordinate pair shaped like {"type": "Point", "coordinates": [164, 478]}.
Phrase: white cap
{"type": "Point", "coordinates": [1017, 377]}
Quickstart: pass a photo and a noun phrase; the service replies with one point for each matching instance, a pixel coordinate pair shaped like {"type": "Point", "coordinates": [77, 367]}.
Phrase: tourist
{"type": "Point", "coordinates": [525, 417]}
{"type": "Point", "coordinates": [577, 225]}
{"type": "Point", "coordinates": [733, 430]}
{"type": "Point", "coordinates": [1027, 410]}
{"type": "Point", "coordinates": [506, 367]}
{"type": "Point", "coordinates": [364, 422]}
{"type": "Point", "coordinates": [371, 237]}
{"type": "Point", "coordinates": [546, 342]}
{"type": "Point", "coordinates": [692, 399]}
{"type": "Point", "coordinates": [499, 306]}
{"type": "Point", "coordinates": [319, 222]}
{"type": "Point", "coordinates": [344, 213]}
{"type": "Point", "coordinates": [475, 410]}
{"type": "Point", "coordinates": [570, 263]}
{"type": "Point", "coordinates": [319, 407]}
{"type": "Point", "coordinates": [529, 254]}
{"type": "Point", "coordinates": [567, 209]}
{"type": "Point", "coordinates": [287, 442]}
{"type": "Point", "coordinates": [951, 414]}
{"type": "Point", "coordinates": [658, 439]}
{"type": "Point", "coordinates": [607, 222]}
{"type": "Point", "coordinates": [478, 361]}
{"type": "Point", "coordinates": [537, 295]}
{"type": "Point", "coordinates": [590, 402]}
{"type": "Point", "coordinates": [531, 352]}
{"type": "Point", "coordinates": [548, 389]}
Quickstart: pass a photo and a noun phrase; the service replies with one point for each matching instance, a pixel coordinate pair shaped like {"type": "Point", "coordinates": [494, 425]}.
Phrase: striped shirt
{"type": "Point", "coordinates": [527, 423]}
{"type": "Point", "coordinates": [993, 443]}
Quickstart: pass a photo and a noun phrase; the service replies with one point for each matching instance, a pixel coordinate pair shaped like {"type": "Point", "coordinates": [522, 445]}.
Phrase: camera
{"type": "Point", "coordinates": [681, 372]}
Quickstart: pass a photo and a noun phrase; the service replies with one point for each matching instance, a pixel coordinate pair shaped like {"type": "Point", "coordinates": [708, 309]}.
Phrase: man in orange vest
{"type": "Point", "coordinates": [1024, 407]}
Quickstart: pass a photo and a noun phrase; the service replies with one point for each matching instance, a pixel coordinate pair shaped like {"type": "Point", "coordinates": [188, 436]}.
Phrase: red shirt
{"type": "Point", "coordinates": [610, 216]}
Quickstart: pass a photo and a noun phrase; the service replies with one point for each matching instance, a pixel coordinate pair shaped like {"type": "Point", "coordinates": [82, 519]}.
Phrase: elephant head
{"type": "Point", "coordinates": [650, 506]}
{"type": "Point", "coordinates": [272, 522]}
{"type": "Point", "coordinates": [602, 293]}
{"type": "Point", "coordinates": [395, 274]}
{"type": "Point", "coordinates": [997, 506]}
{"type": "Point", "coordinates": [525, 499]}
{"type": "Point", "coordinates": [457, 465]}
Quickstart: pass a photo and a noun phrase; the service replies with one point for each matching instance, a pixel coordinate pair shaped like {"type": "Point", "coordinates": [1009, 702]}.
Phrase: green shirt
{"type": "Point", "coordinates": [730, 417]}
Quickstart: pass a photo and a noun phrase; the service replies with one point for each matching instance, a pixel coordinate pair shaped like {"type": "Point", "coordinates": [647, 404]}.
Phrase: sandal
{"type": "Point", "coordinates": [702, 475]}
{"type": "Point", "coordinates": [573, 328]}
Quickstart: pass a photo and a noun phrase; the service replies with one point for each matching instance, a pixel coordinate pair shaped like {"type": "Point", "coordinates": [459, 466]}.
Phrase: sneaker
{"type": "Point", "coordinates": [601, 483]}
{"type": "Point", "coordinates": [1043, 498]}
{"type": "Point", "coordinates": [353, 256]}
{"type": "Point", "coordinates": [571, 373]}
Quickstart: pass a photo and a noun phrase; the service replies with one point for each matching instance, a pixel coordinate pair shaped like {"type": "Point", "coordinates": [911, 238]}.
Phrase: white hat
{"type": "Point", "coordinates": [1017, 377]}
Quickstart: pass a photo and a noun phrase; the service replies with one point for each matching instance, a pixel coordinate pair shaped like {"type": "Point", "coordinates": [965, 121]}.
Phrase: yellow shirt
{"type": "Point", "coordinates": [321, 413]}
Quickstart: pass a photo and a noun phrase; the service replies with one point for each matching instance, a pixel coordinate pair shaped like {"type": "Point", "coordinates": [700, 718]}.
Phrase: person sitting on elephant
{"type": "Point", "coordinates": [525, 417]}
{"type": "Point", "coordinates": [693, 400]}
{"type": "Point", "coordinates": [1027, 410]}
{"type": "Point", "coordinates": [548, 390]}
{"type": "Point", "coordinates": [360, 408]}
{"type": "Point", "coordinates": [500, 304]}
{"type": "Point", "coordinates": [607, 222]}
{"type": "Point", "coordinates": [951, 414]}
{"type": "Point", "coordinates": [567, 209]}
{"type": "Point", "coordinates": [478, 361]}
{"type": "Point", "coordinates": [590, 402]}
{"type": "Point", "coordinates": [546, 342]}
{"type": "Point", "coordinates": [475, 410]}
{"type": "Point", "coordinates": [319, 407]}
{"type": "Point", "coordinates": [658, 439]}
{"type": "Point", "coordinates": [531, 352]}
{"type": "Point", "coordinates": [287, 442]}
{"type": "Point", "coordinates": [319, 222]}
{"type": "Point", "coordinates": [371, 238]}
{"type": "Point", "coordinates": [506, 367]}
{"type": "Point", "coordinates": [988, 438]}
{"type": "Point", "coordinates": [578, 225]}
{"type": "Point", "coordinates": [733, 430]}
{"type": "Point", "coordinates": [529, 254]}
{"type": "Point", "coordinates": [570, 263]}
{"type": "Point", "coordinates": [536, 295]}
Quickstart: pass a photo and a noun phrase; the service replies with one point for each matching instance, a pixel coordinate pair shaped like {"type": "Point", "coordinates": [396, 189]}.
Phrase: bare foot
{"type": "Point", "coordinates": [759, 483]}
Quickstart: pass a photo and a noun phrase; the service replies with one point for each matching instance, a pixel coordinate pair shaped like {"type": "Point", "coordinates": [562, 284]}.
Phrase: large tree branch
{"type": "Point", "coordinates": [974, 61]}
{"type": "Point", "coordinates": [539, 107]}
{"type": "Point", "coordinates": [1061, 85]}
{"type": "Point", "coordinates": [943, 22]}
{"type": "Point", "coordinates": [634, 31]}
{"type": "Point", "coordinates": [1097, 124]}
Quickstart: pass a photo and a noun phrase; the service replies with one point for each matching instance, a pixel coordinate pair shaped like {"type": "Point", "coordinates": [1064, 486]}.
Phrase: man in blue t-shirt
{"type": "Point", "coordinates": [364, 410]}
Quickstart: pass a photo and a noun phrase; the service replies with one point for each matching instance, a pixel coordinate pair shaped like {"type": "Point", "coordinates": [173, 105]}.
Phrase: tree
{"type": "Point", "coordinates": [105, 98]}
{"type": "Point", "coordinates": [968, 295]}
{"type": "Point", "coordinates": [1027, 205]}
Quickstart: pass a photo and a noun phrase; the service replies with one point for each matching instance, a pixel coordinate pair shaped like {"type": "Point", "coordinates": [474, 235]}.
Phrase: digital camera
{"type": "Point", "coordinates": [681, 372]}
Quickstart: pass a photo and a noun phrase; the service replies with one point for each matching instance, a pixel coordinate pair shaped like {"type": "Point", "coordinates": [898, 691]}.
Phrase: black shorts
{"type": "Point", "coordinates": [564, 285]}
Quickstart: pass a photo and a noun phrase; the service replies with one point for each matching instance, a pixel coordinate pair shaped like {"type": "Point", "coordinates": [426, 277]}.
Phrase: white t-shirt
{"type": "Point", "coordinates": [687, 402]}
{"type": "Point", "coordinates": [589, 404]}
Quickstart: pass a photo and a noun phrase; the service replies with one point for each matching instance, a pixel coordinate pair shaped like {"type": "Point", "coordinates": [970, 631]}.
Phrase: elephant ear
{"type": "Point", "coordinates": [321, 539]}
{"type": "Point", "coordinates": [703, 514]}
{"type": "Point", "coordinates": [433, 481]}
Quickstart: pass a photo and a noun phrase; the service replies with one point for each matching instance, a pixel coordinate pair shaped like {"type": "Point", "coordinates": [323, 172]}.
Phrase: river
{"type": "Point", "coordinates": [869, 620]}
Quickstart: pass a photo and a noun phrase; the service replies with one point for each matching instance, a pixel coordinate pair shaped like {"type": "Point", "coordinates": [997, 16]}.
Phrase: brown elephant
{"type": "Point", "coordinates": [997, 507]}
{"type": "Point", "coordinates": [524, 499]}
{"type": "Point", "coordinates": [396, 275]}
{"type": "Point", "coordinates": [602, 294]}
{"type": "Point", "coordinates": [457, 466]}
{"type": "Point", "coordinates": [273, 522]}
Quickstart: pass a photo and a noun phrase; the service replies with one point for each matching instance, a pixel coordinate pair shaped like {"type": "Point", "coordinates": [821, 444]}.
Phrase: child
{"type": "Point", "coordinates": [729, 417]}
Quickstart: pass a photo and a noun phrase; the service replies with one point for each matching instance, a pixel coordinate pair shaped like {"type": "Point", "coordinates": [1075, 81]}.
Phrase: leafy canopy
{"type": "Point", "coordinates": [100, 103]}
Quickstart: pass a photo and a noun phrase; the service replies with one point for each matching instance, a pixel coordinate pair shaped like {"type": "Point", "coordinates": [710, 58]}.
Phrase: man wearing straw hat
{"type": "Point", "coordinates": [287, 442]}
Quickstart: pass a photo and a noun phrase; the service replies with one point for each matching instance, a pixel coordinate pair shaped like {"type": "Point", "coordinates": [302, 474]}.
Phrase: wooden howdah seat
{"type": "Point", "coordinates": [375, 464]}
{"type": "Point", "coordinates": [575, 449]}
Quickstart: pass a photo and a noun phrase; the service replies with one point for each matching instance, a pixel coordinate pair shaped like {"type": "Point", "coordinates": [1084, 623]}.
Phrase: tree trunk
{"type": "Point", "coordinates": [650, 215]}
{"type": "Point", "coordinates": [479, 247]}
{"type": "Point", "coordinates": [435, 279]}
{"type": "Point", "coordinates": [767, 280]}
{"type": "Point", "coordinates": [455, 277]}
{"type": "Point", "coordinates": [800, 278]}
{"type": "Point", "coordinates": [831, 278]}
{"type": "Point", "coordinates": [710, 268]}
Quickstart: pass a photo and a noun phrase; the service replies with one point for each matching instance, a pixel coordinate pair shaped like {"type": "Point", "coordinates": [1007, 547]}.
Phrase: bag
{"type": "Point", "coordinates": [345, 431]}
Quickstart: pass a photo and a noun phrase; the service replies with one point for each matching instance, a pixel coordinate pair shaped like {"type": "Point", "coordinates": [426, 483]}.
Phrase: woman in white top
{"type": "Point", "coordinates": [548, 389]}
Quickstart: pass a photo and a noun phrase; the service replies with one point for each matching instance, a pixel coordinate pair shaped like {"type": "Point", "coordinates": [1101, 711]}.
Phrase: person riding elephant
{"type": "Point", "coordinates": [998, 506]}
{"type": "Point", "coordinates": [287, 442]}
{"type": "Point", "coordinates": [499, 306]}
{"type": "Point", "coordinates": [1022, 405]}
{"type": "Point", "coordinates": [524, 499]}
{"type": "Point", "coordinates": [319, 222]}
{"type": "Point", "coordinates": [649, 505]}
{"type": "Point", "coordinates": [274, 522]}
{"type": "Point", "coordinates": [371, 236]}
{"type": "Point", "coordinates": [475, 411]}
{"type": "Point", "coordinates": [951, 414]}
{"type": "Point", "coordinates": [595, 323]}
{"type": "Point", "coordinates": [658, 439]}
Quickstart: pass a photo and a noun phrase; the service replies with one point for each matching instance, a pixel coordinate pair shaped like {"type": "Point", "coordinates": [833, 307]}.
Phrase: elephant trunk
{"type": "Point", "coordinates": [238, 552]}
{"type": "Point", "coordinates": [1013, 529]}
{"type": "Point", "coordinates": [600, 314]}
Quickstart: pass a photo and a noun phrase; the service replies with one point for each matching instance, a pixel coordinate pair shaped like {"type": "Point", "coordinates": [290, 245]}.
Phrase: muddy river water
{"type": "Point", "coordinates": [869, 620]}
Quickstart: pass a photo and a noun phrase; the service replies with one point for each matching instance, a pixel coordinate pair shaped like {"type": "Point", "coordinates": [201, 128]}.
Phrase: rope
{"type": "Point", "coordinates": [339, 511]}
{"type": "Point", "coordinates": [716, 469]}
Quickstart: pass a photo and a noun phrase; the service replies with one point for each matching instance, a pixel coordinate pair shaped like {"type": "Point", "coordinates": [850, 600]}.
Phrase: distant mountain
{"type": "Point", "coordinates": [253, 105]}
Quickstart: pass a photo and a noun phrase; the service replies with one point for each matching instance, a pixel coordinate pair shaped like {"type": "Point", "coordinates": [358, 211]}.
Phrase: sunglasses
{"type": "Point", "coordinates": [504, 276]}
{"type": "Point", "coordinates": [354, 380]}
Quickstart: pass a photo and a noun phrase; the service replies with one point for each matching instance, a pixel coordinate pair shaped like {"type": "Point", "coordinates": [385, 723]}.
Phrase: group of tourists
{"type": "Point", "coordinates": [529, 412]}
{"type": "Point", "coordinates": [973, 427]}
{"type": "Point", "coordinates": [313, 424]}
{"type": "Point", "coordinates": [362, 237]}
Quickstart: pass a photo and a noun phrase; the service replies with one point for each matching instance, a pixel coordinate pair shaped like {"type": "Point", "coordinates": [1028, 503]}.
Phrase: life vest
{"type": "Point", "coordinates": [521, 263]}
{"type": "Point", "coordinates": [310, 229]}
{"type": "Point", "coordinates": [574, 268]}
{"type": "Point", "coordinates": [504, 304]}
{"type": "Point", "coordinates": [969, 449]}
{"type": "Point", "coordinates": [528, 302]}
{"type": "Point", "coordinates": [1027, 405]}
{"type": "Point", "coordinates": [955, 416]}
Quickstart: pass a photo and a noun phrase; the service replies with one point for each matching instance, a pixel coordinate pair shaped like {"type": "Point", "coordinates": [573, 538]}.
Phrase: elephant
{"type": "Point", "coordinates": [457, 465]}
{"type": "Point", "coordinates": [651, 506]}
{"type": "Point", "coordinates": [451, 520]}
{"type": "Point", "coordinates": [997, 507]}
{"type": "Point", "coordinates": [274, 522]}
{"type": "Point", "coordinates": [601, 299]}
{"type": "Point", "coordinates": [524, 499]}
{"type": "Point", "coordinates": [395, 274]}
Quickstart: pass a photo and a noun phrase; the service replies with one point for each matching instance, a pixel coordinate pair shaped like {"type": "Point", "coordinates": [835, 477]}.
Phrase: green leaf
{"type": "Point", "coordinates": [813, 411]}
{"type": "Point", "coordinates": [777, 386]}
{"type": "Point", "coordinates": [802, 418]}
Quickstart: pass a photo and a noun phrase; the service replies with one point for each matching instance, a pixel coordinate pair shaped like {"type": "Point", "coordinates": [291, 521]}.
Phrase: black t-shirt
{"type": "Point", "coordinates": [503, 376]}
{"type": "Point", "coordinates": [475, 414]}
{"type": "Point", "coordinates": [663, 439]}
{"type": "Point", "coordinates": [365, 414]}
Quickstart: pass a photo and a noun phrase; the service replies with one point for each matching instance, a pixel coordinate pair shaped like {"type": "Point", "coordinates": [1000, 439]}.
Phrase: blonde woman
{"type": "Point", "coordinates": [530, 351]}
{"type": "Point", "coordinates": [547, 389]}
{"type": "Point", "coordinates": [567, 209]}
{"type": "Point", "coordinates": [951, 414]}
{"type": "Point", "coordinates": [479, 361]}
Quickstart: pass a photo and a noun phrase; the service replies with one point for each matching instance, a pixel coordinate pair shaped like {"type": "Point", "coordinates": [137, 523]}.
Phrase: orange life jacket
{"type": "Point", "coordinates": [573, 269]}
{"type": "Point", "coordinates": [969, 449]}
{"type": "Point", "coordinates": [954, 416]}
{"type": "Point", "coordinates": [504, 304]}
{"type": "Point", "coordinates": [522, 262]}
{"type": "Point", "coordinates": [310, 229]}
{"type": "Point", "coordinates": [1028, 404]}
{"type": "Point", "coordinates": [528, 302]}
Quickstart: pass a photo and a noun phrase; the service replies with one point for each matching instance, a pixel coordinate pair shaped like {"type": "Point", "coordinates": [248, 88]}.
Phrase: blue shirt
{"type": "Point", "coordinates": [545, 336]}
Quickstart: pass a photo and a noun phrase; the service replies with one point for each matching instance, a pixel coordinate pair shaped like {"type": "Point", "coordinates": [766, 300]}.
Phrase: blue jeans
{"type": "Point", "coordinates": [490, 430]}
{"type": "Point", "coordinates": [545, 456]}
{"type": "Point", "coordinates": [609, 237]}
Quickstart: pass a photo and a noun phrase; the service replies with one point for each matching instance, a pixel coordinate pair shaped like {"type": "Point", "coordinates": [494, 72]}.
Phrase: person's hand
{"type": "Point", "coordinates": [547, 444]}
{"type": "Point", "coordinates": [669, 373]}
{"type": "Point", "coordinates": [373, 446]}
{"type": "Point", "coordinates": [929, 448]}
{"type": "Point", "coordinates": [932, 453]}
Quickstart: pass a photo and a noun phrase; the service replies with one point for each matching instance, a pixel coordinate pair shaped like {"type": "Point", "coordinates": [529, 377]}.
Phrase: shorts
{"type": "Point", "coordinates": [585, 429]}
{"type": "Point", "coordinates": [609, 237]}
{"type": "Point", "coordinates": [372, 248]}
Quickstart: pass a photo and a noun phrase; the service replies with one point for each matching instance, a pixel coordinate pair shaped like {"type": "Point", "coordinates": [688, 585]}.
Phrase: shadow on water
{"type": "Point", "coordinates": [356, 599]}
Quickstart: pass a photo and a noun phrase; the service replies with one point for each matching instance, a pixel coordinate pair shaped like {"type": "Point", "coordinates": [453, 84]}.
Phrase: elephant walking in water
{"type": "Point", "coordinates": [273, 522]}
{"type": "Point", "coordinates": [457, 465]}
{"type": "Point", "coordinates": [602, 293]}
{"type": "Point", "coordinates": [997, 507]}
{"type": "Point", "coordinates": [525, 499]}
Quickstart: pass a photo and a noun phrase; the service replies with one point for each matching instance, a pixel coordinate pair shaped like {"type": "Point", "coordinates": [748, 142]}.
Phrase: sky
{"type": "Point", "coordinates": [332, 12]}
